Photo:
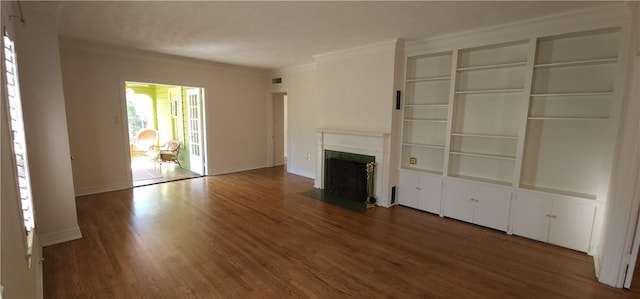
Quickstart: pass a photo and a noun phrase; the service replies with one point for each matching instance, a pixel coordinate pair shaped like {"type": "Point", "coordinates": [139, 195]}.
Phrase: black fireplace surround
{"type": "Point", "coordinates": [345, 175]}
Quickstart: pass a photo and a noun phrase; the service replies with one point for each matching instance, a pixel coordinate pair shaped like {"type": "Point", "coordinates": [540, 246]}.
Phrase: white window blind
{"type": "Point", "coordinates": [16, 124]}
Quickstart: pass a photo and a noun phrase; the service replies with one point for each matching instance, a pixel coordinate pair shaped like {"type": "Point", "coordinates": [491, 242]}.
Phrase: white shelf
{"type": "Point", "coordinates": [490, 156]}
{"type": "Point", "coordinates": [485, 136]}
{"type": "Point", "coordinates": [427, 105]}
{"type": "Point", "coordinates": [433, 146]}
{"type": "Point", "coordinates": [429, 79]}
{"type": "Point", "coordinates": [423, 170]}
{"type": "Point", "coordinates": [567, 118]}
{"type": "Point", "coordinates": [573, 94]}
{"type": "Point", "coordinates": [577, 63]}
{"type": "Point", "coordinates": [427, 120]}
{"type": "Point", "coordinates": [559, 191]}
{"type": "Point", "coordinates": [479, 179]}
{"type": "Point", "coordinates": [507, 90]}
{"type": "Point", "coordinates": [491, 66]}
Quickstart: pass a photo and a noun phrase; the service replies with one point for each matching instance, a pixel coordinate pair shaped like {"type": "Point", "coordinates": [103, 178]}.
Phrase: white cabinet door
{"type": "Point", "coordinates": [430, 193]}
{"type": "Point", "coordinates": [530, 216]}
{"type": "Point", "coordinates": [458, 200]}
{"type": "Point", "coordinates": [491, 208]}
{"type": "Point", "coordinates": [564, 222]}
{"type": "Point", "coordinates": [571, 225]}
{"type": "Point", "coordinates": [408, 187]}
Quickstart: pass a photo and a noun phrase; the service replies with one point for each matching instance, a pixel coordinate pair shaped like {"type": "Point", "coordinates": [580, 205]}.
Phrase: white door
{"type": "Point", "coordinates": [194, 119]}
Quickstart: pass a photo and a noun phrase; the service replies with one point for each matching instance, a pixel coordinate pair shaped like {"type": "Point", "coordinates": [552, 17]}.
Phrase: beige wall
{"type": "Point", "coordinates": [348, 90]}
{"type": "Point", "coordinates": [46, 128]}
{"type": "Point", "coordinates": [356, 88]}
{"type": "Point", "coordinates": [302, 100]}
{"type": "Point", "coordinates": [93, 75]}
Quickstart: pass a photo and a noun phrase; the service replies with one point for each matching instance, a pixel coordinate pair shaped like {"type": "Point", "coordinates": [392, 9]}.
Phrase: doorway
{"type": "Point", "coordinates": [165, 130]}
{"type": "Point", "coordinates": [280, 129]}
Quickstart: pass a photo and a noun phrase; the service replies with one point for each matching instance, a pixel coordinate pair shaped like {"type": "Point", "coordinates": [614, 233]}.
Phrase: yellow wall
{"type": "Point", "coordinates": [163, 114]}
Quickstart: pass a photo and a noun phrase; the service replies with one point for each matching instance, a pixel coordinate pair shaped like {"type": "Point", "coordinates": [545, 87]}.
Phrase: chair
{"type": "Point", "coordinates": [146, 140]}
{"type": "Point", "coordinates": [169, 152]}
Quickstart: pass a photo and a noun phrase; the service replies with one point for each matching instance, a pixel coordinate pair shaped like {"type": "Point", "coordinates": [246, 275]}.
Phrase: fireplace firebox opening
{"type": "Point", "coordinates": [349, 176]}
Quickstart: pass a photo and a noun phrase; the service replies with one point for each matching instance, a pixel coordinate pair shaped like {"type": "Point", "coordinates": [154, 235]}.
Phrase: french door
{"type": "Point", "coordinates": [194, 120]}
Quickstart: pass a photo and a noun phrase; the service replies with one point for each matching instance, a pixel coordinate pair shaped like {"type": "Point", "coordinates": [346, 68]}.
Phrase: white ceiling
{"type": "Point", "coordinates": [279, 34]}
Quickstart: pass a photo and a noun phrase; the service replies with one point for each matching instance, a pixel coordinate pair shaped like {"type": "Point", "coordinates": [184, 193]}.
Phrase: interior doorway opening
{"type": "Point", "coordinates": [280, 128]}
{"type": "Point", "coordinates": [165, 131]}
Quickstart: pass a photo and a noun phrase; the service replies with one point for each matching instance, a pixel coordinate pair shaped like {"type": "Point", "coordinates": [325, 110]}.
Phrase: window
{"type": "Point", "coordinates": [19, 148]}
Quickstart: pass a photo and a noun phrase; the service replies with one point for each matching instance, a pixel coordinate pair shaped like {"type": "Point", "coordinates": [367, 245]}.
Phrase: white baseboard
{"type": "Point", "coordinates": [39, 274]}
{"type": "Point", "coordinates": [384, 202]}
{"type": "Point", "coordinates": [306, 174]}
{"type": "Point", "coordinates": [239, 169]}
{"type": "Point", "coordinates": [596, 263]}
{"type": "Point", "coordinates": [101, 189]}
{"type": "Point", "coordinates": [60, 236]}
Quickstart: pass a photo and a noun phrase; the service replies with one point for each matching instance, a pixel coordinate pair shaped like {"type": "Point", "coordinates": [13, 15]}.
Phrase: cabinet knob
{"type": "Point", "coordinates": [552, 216]}
{"type": "Point", "coordinates": [418, 188]}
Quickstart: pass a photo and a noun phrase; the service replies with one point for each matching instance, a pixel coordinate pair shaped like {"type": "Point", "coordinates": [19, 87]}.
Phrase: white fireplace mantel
{"type": "Point", "coordinates": [375, 144]}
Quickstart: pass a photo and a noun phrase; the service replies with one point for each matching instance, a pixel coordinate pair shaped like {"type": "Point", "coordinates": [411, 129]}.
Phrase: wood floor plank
{"type": "Point", "coordinates": [254, 235]}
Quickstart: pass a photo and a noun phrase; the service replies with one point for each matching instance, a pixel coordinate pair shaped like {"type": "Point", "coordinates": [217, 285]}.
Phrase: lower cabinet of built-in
{"type": "Point", "coordinates": [560, 220]}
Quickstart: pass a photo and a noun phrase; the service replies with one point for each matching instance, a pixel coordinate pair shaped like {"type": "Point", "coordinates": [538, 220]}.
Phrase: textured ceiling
{"type": "Point", "coordinates": [280, 34]}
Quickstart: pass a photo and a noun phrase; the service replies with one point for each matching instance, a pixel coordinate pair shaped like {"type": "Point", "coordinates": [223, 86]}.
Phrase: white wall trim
{"type": "Point", "coordinates": [596, 262]}
{"type": "Point", "coordinates": [101, 189]}
{"type": "Point", "coordinates": [357, 51]}
{"type": "Point", "coordinates": [304, 173]}
{"type": "Point", "coordinates": [60, 236]}
{"type": "Point", "coordinates": [375, 144]}
{"type": "Point", "coordinates": [39, 273]}
{"type": "Point", "coordinates": [269, 124]}
{"type": "Point", "coordinates": [309, 67]}
{"type": "Point", "coordinates": [612, 15]}
{"type": "Point", "coordinates": [220, 171]}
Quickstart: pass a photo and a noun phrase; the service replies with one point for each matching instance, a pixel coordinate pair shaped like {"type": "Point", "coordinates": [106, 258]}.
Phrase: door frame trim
{"type": "Point", "coordinates": [270, 93]}
{"type": "Point", "coordinates": [124, 122]}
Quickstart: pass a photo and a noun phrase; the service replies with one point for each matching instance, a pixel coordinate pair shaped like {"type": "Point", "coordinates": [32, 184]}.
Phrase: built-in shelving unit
{"type": "Point", "coordinates": [569, 108]}
{"type": "Point", "coordinates": [426, 112]}
{"type": "Point", "coordinates": [488, 96]}
{"type": "Point", "coordinates": [512, 136]}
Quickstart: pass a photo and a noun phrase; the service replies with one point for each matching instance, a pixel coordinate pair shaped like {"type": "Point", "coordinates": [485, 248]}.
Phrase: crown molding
{"type": "Point", "coordinates": [308, 67]}
{"type": "Point", "coordinates": [612, 15]}
{"type": "Point", "coordinates": [358, 51]}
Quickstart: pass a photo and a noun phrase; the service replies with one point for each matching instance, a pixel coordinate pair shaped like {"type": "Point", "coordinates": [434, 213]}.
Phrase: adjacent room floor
{"type": "Point", "coordinates": [253, 234]}
{"type": "Point", "coordinates": [146, 172]}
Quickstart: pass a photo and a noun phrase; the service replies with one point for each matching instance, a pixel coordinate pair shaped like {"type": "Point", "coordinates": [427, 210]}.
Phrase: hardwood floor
{"type": "Point", "coordinates": [253, 234]}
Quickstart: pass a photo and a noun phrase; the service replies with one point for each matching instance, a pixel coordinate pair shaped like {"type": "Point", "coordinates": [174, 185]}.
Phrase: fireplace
{"type": "Point", "coordinates": [374, 145]}
{"type": "Point", "coordinates": [349, 176]}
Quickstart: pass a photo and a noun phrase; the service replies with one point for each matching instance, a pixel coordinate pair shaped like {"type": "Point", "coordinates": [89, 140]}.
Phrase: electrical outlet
{"type": "Point", "coordinates": [308, 157]}
{"type": "Point", "coordinates": [413, 160]}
